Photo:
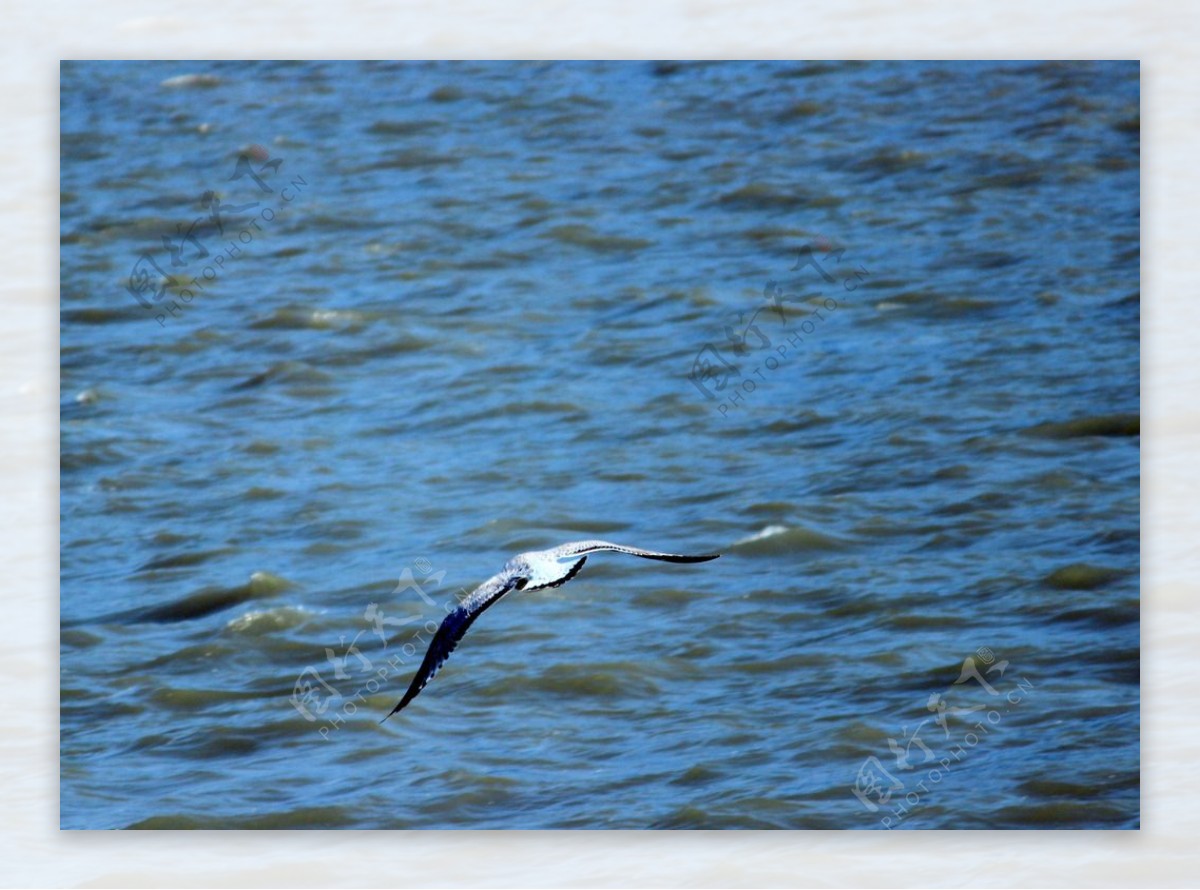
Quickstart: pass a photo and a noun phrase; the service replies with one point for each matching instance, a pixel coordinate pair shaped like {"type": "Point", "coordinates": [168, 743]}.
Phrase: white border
{"type": "Point", "coordinates": [32, 850]}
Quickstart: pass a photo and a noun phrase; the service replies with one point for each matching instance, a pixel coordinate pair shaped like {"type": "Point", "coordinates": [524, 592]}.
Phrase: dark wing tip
{"type": "Point", "coordinates": [677, 557]}
{"type": "Point", "coordinates": [452, 628]}
{"type": "Point", "coordinates": [413, 691]}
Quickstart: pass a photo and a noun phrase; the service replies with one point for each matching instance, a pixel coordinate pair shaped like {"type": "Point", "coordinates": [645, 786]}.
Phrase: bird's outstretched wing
{"type": "Point", "coordinates": [451, 631]}
{"type": "Point", "coordinates": [578, 548]}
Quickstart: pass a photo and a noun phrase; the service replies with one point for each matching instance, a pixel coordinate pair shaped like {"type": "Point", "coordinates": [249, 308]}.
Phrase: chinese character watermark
{"type": "Point", "coordinates": [329, 698]}
{"type": "Point", "coordinates": [898, 793]}
{"type": "Point", "coordinates": [149, 282]}
{"type": "Point", "coordinates": [714, 375]}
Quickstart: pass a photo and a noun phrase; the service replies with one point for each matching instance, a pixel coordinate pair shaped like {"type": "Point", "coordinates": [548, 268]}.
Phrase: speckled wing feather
{"type": "Point", "coordinates": [578, 547]}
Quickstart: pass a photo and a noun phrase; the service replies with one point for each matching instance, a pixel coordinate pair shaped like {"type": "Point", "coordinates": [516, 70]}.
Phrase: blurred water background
{"type": "Point", "coordinates": [869, 330]}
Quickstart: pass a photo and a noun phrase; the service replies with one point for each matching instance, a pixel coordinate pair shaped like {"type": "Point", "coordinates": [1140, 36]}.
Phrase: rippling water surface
{"type": "Point", "coordinates": [423, 317]}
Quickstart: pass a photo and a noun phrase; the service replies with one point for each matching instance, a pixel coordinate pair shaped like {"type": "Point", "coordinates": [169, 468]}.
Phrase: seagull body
{"type": "Point", "coordinates": [536, 570]}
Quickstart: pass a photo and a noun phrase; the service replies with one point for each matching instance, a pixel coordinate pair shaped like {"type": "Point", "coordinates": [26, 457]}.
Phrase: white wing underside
{"type": "Point", "coordinates": [543, 569]}
{"type": "Point", "coordinates": [550, 568]}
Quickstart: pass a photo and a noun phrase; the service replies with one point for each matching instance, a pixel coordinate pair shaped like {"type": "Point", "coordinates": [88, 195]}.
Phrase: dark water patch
{"type": "Point", "coordinates": [637, 305]}
{"type": "Point", "coordinates": [693, 652]}
{"type": "Point", "coordinates": [620, 477]}
{"type": "Point", "coordinates": [1064, 815]}
{"type": "Point", "coordinates": [787, 664]}
{"type": "Point", "coordinates": [409, 159]}
{"type": "Point", "coordinates": [184, 560]}
{"type": "Point", "coordinates": [313, 319]}
{"type": "Point", "coordinates": [987, 259]}
{"type": "Point", "coordinates": [1113, 163]}
{"type": "Point", "coordinates": [403, 127]}
{"type": "Point", "coordinates": [1102, 714]}
{"type": "Point", "coordinates": [1104, 618]}
{"type": "Point", "coordinates": [284, 372]}
{"type": "Point", "coordinates": [669, 598]}
{"type": "Point", "coordinates": [803, 420]}
{"type": "Point", "coordinates": [1130, 301]}
{"type": "Point", "coordinates": [886, 284]}
{"type": "Point", "coordinates": [957, 471]}
{"type": "Point", "coordinates": [697, 775]}
{"type": "Point", "coordinates": [1082, 576]}
{"type": "Point", "coordinates": [329, 222]}
{"type": "Point", "coordinates": [800, 111]}
{"type": "Point", "coordinates": [579, 235]}
{"type": "Point", "coordinates": [152, 742]}
{"type": "Point", "coordinates": [206, 602]}
{"type": "Point", "coordinates": [82, 146]}
{"type": "Point", "coordinates": [262, 493]}
{"type": "Point", "coordinates": [924, 622]}
{"type": "Point", "coordinates": [354, 356]}
{"type": "Point", "coordinates": [106, 315]}
{"type": "Point", "coordinates": [888, 162]}
{"type": "Point", "coordinates": [91, 712]}
{"type": "Point", "coordinates": [499, 259]}
{"type": "Point", "coordinates": [846, 606]}
{"type": "Point", "coordinates": [769, 234]}
{"type": "Point", "coordinates": [1037, 129]}
{"type": "Point", "coordinates": [883, 527]}
{"type": "Point", "coordinates": [321, 817]}
{"type": "Point", "coordinates": [772, 509]}
{"type": "Point", "coordinates": [812, 69]}
{"type": "Point", "coordinates": [1017, 179]}
{"type": "Point", "coordinates": [758, 196]}
{"type": "Point", "coordinates": [1121, 665]}
{"type": "Point", "coordinates": [464, 778]}
{"type": "Point", "coordinates": [79, 639]}
{"type": "Point", "coordinates": [1083, 427]}
{"type": "Point", "coordinates": [698, 819]}
{"type": "Point", "coordinates": [1130, 125]}
{"type": "Point", "coordinates": [196, 655]}
{"type": "Point", "coordinates": [445, 94]}
{"type": "Point", "coordinates": [936, 678]}
{"type": "Point", "coordinates": [227, 742]}
{"type": "Point", "coordinates": [478, 802]}
{"type": "Point", "coordinates": [929, 303]}
{"type": "Point", "coordinates": [1126, 542]}
{"type": "Point", "coordinates": [982, 503]}
{"type": "Point", "coordinates": [587, 681]}
{"type": "Point", "coordinates": [147, 229]}
{"type": "Point", "coordinates": [666, 68]}
{"type": "Point", "coordinates": [94, 454]}
{"type": "Point", "coordinates": [1094, 786]}
{"type": "Point", "coordinates": [188, 700]}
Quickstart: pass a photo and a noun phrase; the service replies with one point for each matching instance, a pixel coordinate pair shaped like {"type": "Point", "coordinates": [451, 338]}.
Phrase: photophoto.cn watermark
{"type": "Point", "coordinates": [194, 263]}
{"type": "Point", "coordinates": [899, 792]}
{"type": "Point", "coordinates": [326, 695]}
{"type": "Point", "coordinates": [713, 375]}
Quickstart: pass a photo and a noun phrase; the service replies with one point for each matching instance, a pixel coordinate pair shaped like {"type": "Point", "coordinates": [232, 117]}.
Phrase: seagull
{"type": "Point", "coordinates": [535, 570]}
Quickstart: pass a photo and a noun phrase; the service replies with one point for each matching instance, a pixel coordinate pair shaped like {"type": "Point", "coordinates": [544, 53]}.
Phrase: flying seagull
{"type": "Point", "coordinates": [535, 570]}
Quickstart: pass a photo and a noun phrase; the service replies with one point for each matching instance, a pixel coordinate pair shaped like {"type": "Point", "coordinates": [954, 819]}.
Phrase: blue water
{"type": "Point", "coordinates": [444, 313]}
